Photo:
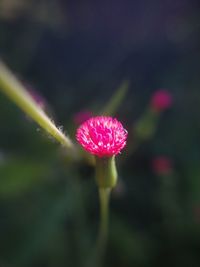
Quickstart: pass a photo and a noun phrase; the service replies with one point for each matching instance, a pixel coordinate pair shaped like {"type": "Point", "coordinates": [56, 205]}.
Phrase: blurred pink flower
{"type": "Point", "coordinates": [161, 100]}
{"type": "Point", "coordinates": [162, 165]}
{"type": "Point", "coordinates": [82, 116]}
{"type": "Point", "coordinates": [102, 136]}
{"type": "Point", "coordinates": [39, 100]}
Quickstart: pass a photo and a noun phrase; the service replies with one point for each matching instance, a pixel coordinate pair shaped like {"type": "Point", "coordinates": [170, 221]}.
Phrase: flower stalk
{"type": "Point", "coordinates": [104, 197]}
{"type": "Point", "coordinates": [106, 178]}
{"type": "Point", "coordinates": [16, 92]}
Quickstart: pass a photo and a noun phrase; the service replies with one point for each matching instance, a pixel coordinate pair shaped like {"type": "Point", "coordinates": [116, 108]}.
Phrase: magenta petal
{"type": "Point", "coordinates": [102, 136]}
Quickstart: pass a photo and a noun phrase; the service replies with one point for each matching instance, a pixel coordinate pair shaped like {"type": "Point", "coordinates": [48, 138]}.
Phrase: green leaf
{"type": "Point", "coordinates": [146, 126]}
{"type": "Point", "coordinates": [115, 101]}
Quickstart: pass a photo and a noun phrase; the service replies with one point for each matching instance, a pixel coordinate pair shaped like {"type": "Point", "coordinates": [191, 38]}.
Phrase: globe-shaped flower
{"type": "Point", "coordinates": [102, 136]}
{"type": "Point", "coordinates": [161, 100]}
{"type": "Point", "coordinates": [162, 165]}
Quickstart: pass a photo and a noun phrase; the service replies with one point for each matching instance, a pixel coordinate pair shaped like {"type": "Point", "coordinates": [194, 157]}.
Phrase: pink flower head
{"type": "Point", "coordinates": [161, 100]}
{"type": "Point", "coordinates": [162, 165]}
{"type": "Point", "coordinates": [82, 116]}
{"type": "Point", "coordinates": [102, 136]}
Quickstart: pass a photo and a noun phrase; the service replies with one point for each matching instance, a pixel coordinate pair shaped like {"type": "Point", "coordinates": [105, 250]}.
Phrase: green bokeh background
{"type": "Point", "coordinates": [76, 54]}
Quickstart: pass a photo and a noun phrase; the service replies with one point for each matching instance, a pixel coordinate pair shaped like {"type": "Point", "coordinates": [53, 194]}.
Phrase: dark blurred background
{"type": "Point", "coordinates": [75, 54]}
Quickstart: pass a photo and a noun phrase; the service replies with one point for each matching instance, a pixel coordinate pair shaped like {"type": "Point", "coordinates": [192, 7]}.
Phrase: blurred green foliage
{"type": "Point", "coordinates": [77, 53]}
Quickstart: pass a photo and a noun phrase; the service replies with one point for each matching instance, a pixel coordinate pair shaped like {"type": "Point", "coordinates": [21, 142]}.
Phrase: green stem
{"type": "Point", "coordinates": [104, 196]}
{"type": "Point", "coordinates": [14, 90]}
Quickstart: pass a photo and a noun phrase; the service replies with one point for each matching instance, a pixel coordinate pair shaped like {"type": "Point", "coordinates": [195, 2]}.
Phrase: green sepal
{"type": "Point", "coordinates": [106, 172]}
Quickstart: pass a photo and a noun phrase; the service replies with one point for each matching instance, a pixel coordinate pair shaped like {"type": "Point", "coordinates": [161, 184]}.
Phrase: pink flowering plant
{"type": "Point", "coordinates": [102, 137]}
{"type": "Point", "coordinates": [144, 129]}
{"type": "Point", "coordinates": [161, 100]}
{"type": "Point", "coordinates": [162, 165]}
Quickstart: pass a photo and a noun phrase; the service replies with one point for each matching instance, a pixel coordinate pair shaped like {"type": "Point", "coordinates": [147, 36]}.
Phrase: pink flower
{"type": "Point", "coordinates": [162, 165]}
{"type": "Point", "coordinates": [81, 116]}
{"type": "Point", "coordinates": [161, 100]}
{"type": "Point", "coordinates": [102, 136]}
